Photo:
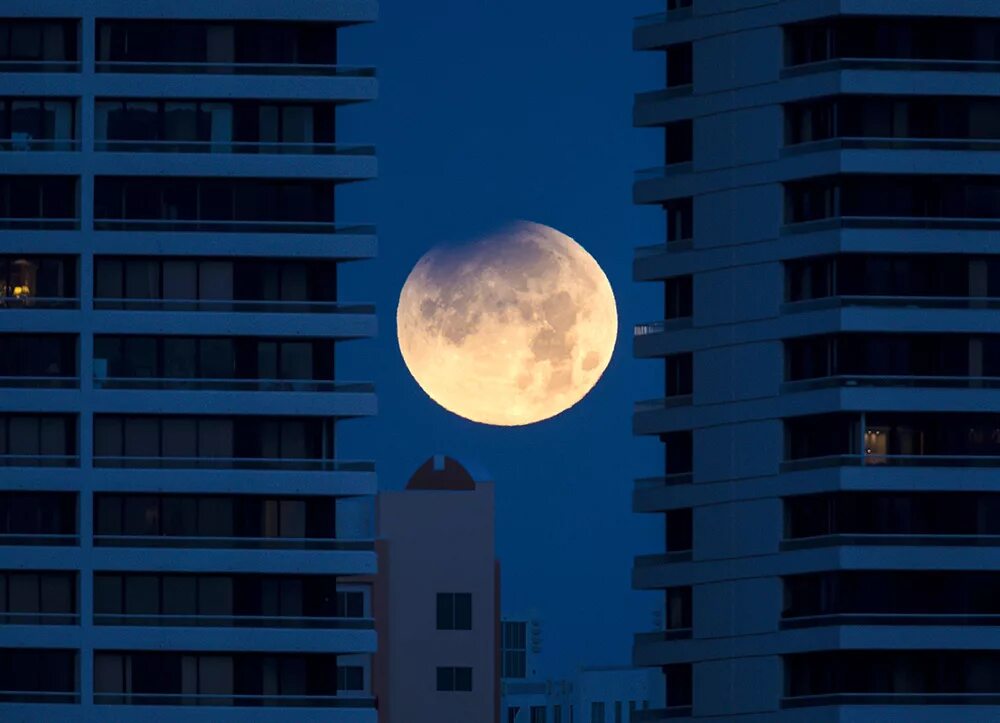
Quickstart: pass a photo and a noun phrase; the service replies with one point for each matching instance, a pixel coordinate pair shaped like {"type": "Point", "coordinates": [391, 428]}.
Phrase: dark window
{"type": "Point", "coordinates": [680, 64]}
{"type": "Point", "coordinates": [679, 684]}
{"type": "Point", "coordinates": [679, 449]}
{"type": "Point", "coordinates": [821, 436]}
{"type": "Point", "coordinates": [807, 279]}
{"type": "Point", "coordinates": [38, 355]}
{"type": "Point", "coordinates": [27, 280]}
{"type": "Point", "coordinates": [454, 611]}
{"type": "Point", "coordinates": [48, 40]}
{"type": "Point", "coordinates": [50, 593]}
{"type": "Point", "coordinates": [514, 637]}
{"type": "Point", "coordinates": [38, 670]}
{"type": "Point", "coordinates": [38, 197]}
{"type": "Point", "coordinates": [37, 513]}
{"type": "Point", "coordinates": [679, 144]}
{"type": "Point", "coordinates": [680, 374]}
{"type": "Point", "coordinates": [23, 121]}
{"type": "Point", "coordinates": [680, 530]}
{"type": "Point", "coordinates": [680, 219]}
{"type": "Point", "coordinates": [678, 297]}
{"type": "Point", "coordinates": [679, 607]}
{"type": "Point", "coordinates": [42, 435]}
{"type": "Point", "coordinates": [454, 679]}
{"type": "Point", "coordinates": [350, 677]}
{"type": "Point", "coordinates": [350, 604]}
{"type": "Point", "coordinates": [812, 121]}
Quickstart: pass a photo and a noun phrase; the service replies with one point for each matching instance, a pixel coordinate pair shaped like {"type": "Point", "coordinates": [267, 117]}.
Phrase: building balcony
{"type": "Point", "coordinates": [232, 385]}
{"type": "Point", "coordinates": [892, 65]}
{"type": "Point", "coordinates": [896, 144]}
{"type": "Point", "coordinates": [888, 540]}
{"type": "Point", "coordinates": [839, 619]}
{"type": "Point", "coordinates": [658, 715]}
{"type": "Point", "coordinates": [652, 328]}
{"type": "Point", "coordinates": [8, 303]}
{"type": "Point", "coordinates": [232, 463]}
{"type": "Point", "coordinates": [233, 147]}
{"type": "Point", "coordinates": [39, 696]}
{"type": "Point", "coordinates": [39, 618]}
{"type": "Point", "coordinates": [203, 542]}
{"type": "Point", "coordinates": [30, 145]}
{"type": "Point", "coordinates": [8, 223]}
{"type": "Point", "coordinates": [234, 621]}
{"type": "Point", "coordinates": [8, 67]}
{"type": "Point", "coordinates": [886, 381]}
{"type": "Point", "coordinates": [899, 302]}
{"type": "Point", "coordinates": [233, 700]}
{"type": "Point", "coordinates": [25, 382]}
{"type": "Point", "coordinates": [891, 460]}
{"type": "Point", "coordinates": [228, 226]}
{"type": "Point", "coordinates": [234, 306]}
{"type": "Point", "coordinates": [39, 460]}
{"type": "Point", "coordinates": [38, 540]}
{"type": "Point", "coordinates": [891, 699]}
{"type": "Point", "coordinates": [207, 68]}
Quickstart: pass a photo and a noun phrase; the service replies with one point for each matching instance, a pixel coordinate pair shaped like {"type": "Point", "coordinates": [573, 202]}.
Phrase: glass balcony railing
{"type": "Point", "coordinates": [232, 699]}
{"type": "Point", "coordinates": [8, 223]}
{"type": "Point", "coordinates": [893, 64]}
{"type": "Point", "coordinates": [233, 463]}
{"type": "Point", "coordinates": [875, 619]}
{"type": "Point", "coordinates": [854, 380]}
{"type": "Point", "coordinates": [228, 226]}
{"type": "Point", "coordinates": [643, 561]}
{"type": "Point", "coordinates": [915, 302]}
{"type": "Point", "coordinates": [233, 147]}
{"type": "Point", "coordinates": [657, 173]}
{"type": "Point", "coordinates": [232, 385]}
{"type": "Point", "coordinates": [233, 305]}
{"type": "Point", "coordinates": [907, 699]}
{"type": "Point", "coordinates": [39, 460]}
{"type": "Point", "coordinates": [38, 539]}
{"type": "Point", "coordinates": [38, 144]}
{"type": "Point", "coordinates": [39, 66]}
{"type": "Point", "coordinates": [877, 539]}
{"type": "Point", "coordinates": [668, 480]}
{"type": "Point", "coordinates": [233, 543]}
{"type": "Point", "coordinates": [658, 327]}
{"type": "Point", "coordinates": [890, 460]}
{"type": "Point", "coordinates": [655, 405]}
{"type": "Point", "coordinates": [37, 618]}
{"type": "Point", "coordinates": [892, 222]}
{"type": "Point", "coordinates": [676, 10]}
{"type": "Point", "coordinates": [234, 621]}
{"type": "Point", "coordinates": [38, 696]}
{"type": "Point", "coordinates": [233, 68]}
{"type": "Point", "coordinates": [25, 382]}
{"type": "Point", "coordinates": [899, 144]}
{"type": "Point", "coordinates": [38, 302]}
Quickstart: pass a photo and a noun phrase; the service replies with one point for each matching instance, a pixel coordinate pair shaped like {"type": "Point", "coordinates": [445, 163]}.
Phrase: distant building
{"type": "Point", "coordinates": [595, 695]}
{"type": "Point", "coordinates": [437, 593]}
{"type": "Point", "coordinates": [520, 644]}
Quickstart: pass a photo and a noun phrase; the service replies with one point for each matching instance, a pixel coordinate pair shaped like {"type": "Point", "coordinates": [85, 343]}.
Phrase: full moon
{"type": "Point", "coordinates": [510, 329]}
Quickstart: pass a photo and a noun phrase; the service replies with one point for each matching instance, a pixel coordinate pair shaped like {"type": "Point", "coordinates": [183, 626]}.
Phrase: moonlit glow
{"type": "Point", "coordinates": [509, 330]}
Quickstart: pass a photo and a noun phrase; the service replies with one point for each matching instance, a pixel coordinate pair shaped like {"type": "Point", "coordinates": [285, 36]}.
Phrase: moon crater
{"type": "Point", "coordinates": [508, 330]}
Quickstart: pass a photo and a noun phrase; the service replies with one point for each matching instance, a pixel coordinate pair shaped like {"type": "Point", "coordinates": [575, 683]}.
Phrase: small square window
{"type": "Point", "coordinates": [454, 611]}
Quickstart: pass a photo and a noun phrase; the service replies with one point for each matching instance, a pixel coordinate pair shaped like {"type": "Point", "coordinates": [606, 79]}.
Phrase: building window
{"type": "Point", "coordinates": [350, 604]}
{"type": "Point", "coordinates": [38, 355]}
{"type": "Point", "coordinates": [23, 121]}
{"type": "Point", "coordinates": [680, 374]}
{"type": "Point", "coordinates": [597, 712]}
{"type": "Point", "coordinates": [680, 530]}
{"type": "Point", "coordinates": [678, 297]}
{"type": "Point", "coordinates": [39, 671]}
{"type": "Point", "coordinates": [680, 219]}
{"type": "Point", "coordinates": [679, 679]}
{"type": "Point", "coordinates": [680, 65]}
{"type": "Point", "coordinates": [38, 197]}
{"type": "Point", "coordinates": [454, 679]}
{"type": "Point", "coordinates": [37, 513]}
{"type": "Point", "coordinates": [38, 40]}
{"type": "Point", "coordinates": [454, 611]}
{"type": "Point", "coordinates": [679, 145]}
{"type": "Point", "coordinates": [537, 714]}
{"type": "Point", "coordinates": [37, 597]}
{"type": "Point", "coordinates": [515, 649]}
{"type": "Point", "coordinates": [557, 714]}
{"type": "Point", "coordinates": [679, 450]}
{"type": "Point", "coordinates": [679, 608]}
{"type": "Point", "coordinates": [35, 280]}
{"type": "Point", "coordinates": [37, 435]}
{"type": "Point", "coordinates": [350, 678]}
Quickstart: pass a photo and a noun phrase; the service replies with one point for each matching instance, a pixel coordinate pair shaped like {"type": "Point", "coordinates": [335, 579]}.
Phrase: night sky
{"type": "Point", "coordinates": [491, 111]}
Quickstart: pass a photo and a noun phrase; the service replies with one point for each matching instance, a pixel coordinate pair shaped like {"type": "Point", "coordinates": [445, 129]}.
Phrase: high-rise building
{"type": "Point", "coordinates": [830, 350]}
{"type": "Point", "coordinates": [437, 598]}
{"type": "Point", "coordinates": [174, 526]}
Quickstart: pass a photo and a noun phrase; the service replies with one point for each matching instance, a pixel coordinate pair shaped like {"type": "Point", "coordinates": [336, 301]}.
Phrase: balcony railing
{"type": "Point", "coordinates": [892, 222]}
{"type": "Point", "coordinates": [234, 463]}
{"type": "Point", "coordinates": [39, 382]}
{"type": "Point", "coordinates": [335, 71]}
{"type": "Point", "coordinates": [233, 305]}
{"type": "Point", "coordinates": [659, 172]}
{"type": "Point", "coordinates": [237, 147]}
{"type": "Point", "coordinates": [16, 618]}
{"type": "Point", "coordinates": [38, 540]}
{"type": "Point", "coordinates": [210, 226]}
{"type": "Point", "coordinates": [230, 699]}
{"type": "Point", "coordinates": [643, 561]}
{"type": "Point", "coordinates": [651, 250]}
{"type": "Point", "coordinates": [39, 224]}
{"type": "Point", "coordinates": [658, 327]}
{"type": "Point", "coordinates": [233, 543]}
{"type": "Point", "coordinates": [913, 302]}
{"type": "Point", "coordinates": [39, 66]}
{"type": "Point", "coordinates": [658, 715]}
{"type": "Point", "coordinates": [655, 405]}
{"type": "Point", "coordinates": [893, 64]}
{"type": "Point", "coordinates": [922, 619]}
{"type": "Point", "coordinates": [664, 635]}
{"type": "Point", "coordinates": [234, 621]}
{"type": "Point", "coordinates": [38, 144]}
{"type": "Point", "coordinates": [39, 460]}
{"type": "Point", "coordinates": [890, 460]}
{"type": "Point", "coordinates": [232, 385]}
{"type": "Point", "coordinates": [669, 480]}
{"type": "Point", "coordinates": [676, 10]}
{"type": "Point", "coordinates": [879, 539]}
{"type": "Point", "coordinates": [856, 380]}
{"type": "Point", "coordinates": [38, 696]}
{"type": "Point", "coordinates": [908, 699]}
{"type": "Point", "coordinates": [38, 302]}
{"type": "Point", "coordinates": [902, 144]}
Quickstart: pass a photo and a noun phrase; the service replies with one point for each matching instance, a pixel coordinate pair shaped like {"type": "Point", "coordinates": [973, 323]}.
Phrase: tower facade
{"type": "Point", "coordinates": [177, 522]}
{"type": "Point", "coordinates": [830, 355]}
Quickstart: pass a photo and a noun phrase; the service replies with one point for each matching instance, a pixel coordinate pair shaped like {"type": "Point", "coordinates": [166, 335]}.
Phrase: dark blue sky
{"type": "Point", "coordinates": [489, 111]}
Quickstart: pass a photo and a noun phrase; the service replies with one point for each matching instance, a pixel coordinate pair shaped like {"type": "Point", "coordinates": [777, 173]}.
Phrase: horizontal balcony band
{"type": "Point", "coordinates": [38, 302]}
{"type": "Point", "coordinates": [38, 540]}
{"type": "Point", "coordinates": [651, 484]}
{"type": "Point", "coordinates": [911, 302]}
{"type": "Point", "coordinates": [234, 463]}
{"type": "Point", "coordinates": [855, 380]}
{"type": "Point", "coordinates": [659, 172]}
{"type": "Point", "coordinates": [233, 305]}
{"type": "Point", "coordinates": [38, 696]}
{"type": "Point", "coordinates": [658, 327]}
{"type": "Point", "coordinates": [18, 145]}
{"type": "Point", "coordinates": [39, 224]}
{"type": "Point", "coordinates": [16, 618]}
{"type": "Point", "coordinates": [921, 619]}
{"type": "Point", "coordinates": [664, 635]}
{"type": "Point", "coordinates": [195, 225]}
{"type": "Point", "coordinates": [653, 405]}
{"type": "Point", "coordinates": [232, 543]}
{"type": "Point", "coordinates": [662, 94]}
{"type": "Point", "coordinates": [902, 144]}
{"type": "Point", "coordinates": [232, 385]}
{"type": "Point", "coordinates": [657, 715]}
{"type": "Point", "coordinates": [842, 699]}
{"type": "Point", "coordinates": [890, 460]}
{"type": "Point", "coordinates": [653, 19]}
{"type": "Point", "coordinates": [892, 222]}
{"type": "Point", "coordinates": [892, 64]}
{"type": "Point", "coordinates": [889, 540]}
{"type": "Point", "coordinates": [39, 66]}
{"type": "Point", "coordinates": [651, 250]}
{"type": "Point", "coordinates": [231, 699]}
{"type": "Point", "coordinates": [39, 382]}
{"type": "Point", "coordinates": [664, 559]}
{"type": "Point", "coordinates": [234, 621]}
{"type": "Point", "coordinates": [39, 460]}
{"type": "Point", "coordinates": [337, 71]}
{"type": "Point", "coordinates": [234, 147]}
